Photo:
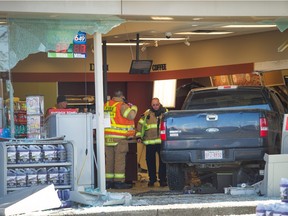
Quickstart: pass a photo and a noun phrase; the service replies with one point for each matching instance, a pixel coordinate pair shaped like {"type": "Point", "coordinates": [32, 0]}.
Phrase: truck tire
{"type": "Point", "coordinates": [176, 177]}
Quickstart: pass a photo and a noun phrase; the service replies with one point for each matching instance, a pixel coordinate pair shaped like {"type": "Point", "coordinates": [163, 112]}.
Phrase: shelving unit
{"type": "Point", "coordinates": [20, 119]}
{"type": "Point", "coordinates": [13, 161]}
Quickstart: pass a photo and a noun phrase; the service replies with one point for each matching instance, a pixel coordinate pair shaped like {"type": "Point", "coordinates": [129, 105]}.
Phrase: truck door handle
{"type": "Point", "coordinates": [211, 117]}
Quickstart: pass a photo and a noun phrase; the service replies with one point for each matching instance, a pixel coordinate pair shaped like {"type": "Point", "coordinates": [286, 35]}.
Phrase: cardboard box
{"type": "Point", "coordinates": [35, 105]}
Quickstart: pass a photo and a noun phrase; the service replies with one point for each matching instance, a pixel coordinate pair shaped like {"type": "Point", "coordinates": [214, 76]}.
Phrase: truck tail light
{"type": "Point", "coordinates": [263, 127]}
{"type": "Point", "coordinates": [163, 131]}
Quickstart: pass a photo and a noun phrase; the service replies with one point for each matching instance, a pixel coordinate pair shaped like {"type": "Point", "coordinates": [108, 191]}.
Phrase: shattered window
{"type": "Point", "coordinates": [28, 36]}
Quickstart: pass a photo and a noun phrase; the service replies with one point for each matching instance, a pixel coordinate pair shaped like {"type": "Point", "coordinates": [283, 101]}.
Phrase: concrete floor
{"type": "Point", "coordinates": [160, 201]}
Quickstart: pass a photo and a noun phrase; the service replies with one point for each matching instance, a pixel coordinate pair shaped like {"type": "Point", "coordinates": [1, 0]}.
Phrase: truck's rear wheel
{"type": "Point", "coordinates": [175, 176]}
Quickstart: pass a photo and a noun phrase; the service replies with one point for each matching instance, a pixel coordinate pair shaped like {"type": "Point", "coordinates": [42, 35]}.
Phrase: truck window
{"type": "Point", "coordinates": [227, 98]}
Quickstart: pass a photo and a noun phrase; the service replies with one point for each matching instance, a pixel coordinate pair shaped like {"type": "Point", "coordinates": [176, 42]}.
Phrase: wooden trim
{"type": "Point", "coordinates": [126, 77]}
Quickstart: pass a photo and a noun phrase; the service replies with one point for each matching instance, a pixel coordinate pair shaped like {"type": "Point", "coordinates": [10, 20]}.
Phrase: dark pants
{"type": "Point", "coordinates": [151, 151]}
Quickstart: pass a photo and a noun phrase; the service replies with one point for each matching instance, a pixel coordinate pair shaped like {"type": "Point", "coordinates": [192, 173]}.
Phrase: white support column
{"type": "Point", "coordinates": [98, 75]}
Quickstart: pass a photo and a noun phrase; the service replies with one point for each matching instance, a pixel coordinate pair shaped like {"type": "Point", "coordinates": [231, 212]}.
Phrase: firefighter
{"type": "Point", "coordinates": [148, 132]}
{"type": "Point", "coordinates": [122, 128]}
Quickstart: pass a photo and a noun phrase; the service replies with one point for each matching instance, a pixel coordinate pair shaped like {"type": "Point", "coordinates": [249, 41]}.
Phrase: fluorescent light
{"type": "Point", "coordinates": [203, 33]}
{"type": "Point", "coordinates": [123, 44]}
{"type": "Point", "coordinates": [160, 39]}
{"type": "Point", "coordinates": [283, 46]}
{"type": "Point", "coordinates": [165, 90]}
{"type": "Point", "coordinates": [248, 26]}
{"type": "Point", "coordinates": [162, 18]}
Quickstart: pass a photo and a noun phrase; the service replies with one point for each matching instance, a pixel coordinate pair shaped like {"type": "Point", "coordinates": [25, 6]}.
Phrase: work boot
{"type": "Point", "coordinates": [163, 183]}
{"type": "Point", "coordinates": [109, 184]}
{"type": "Point", "coordinates": [122, 185]}
{"type": "Point", "coordinates": [151, 184]}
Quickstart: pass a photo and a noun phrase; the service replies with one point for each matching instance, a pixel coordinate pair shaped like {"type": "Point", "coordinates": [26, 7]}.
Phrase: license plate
{"type": "Point", "coordinates": [213, 154]}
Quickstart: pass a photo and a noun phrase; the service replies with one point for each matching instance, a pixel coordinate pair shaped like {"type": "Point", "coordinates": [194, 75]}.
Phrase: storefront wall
{"type": "Point", "coordinates": [181, 62]}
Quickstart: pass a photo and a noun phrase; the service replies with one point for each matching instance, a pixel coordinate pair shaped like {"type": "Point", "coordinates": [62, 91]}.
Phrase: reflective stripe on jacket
{"type": "Point", "coordinates": [148, 129]}
{"type": "Point", "coordinates": [121, 127]}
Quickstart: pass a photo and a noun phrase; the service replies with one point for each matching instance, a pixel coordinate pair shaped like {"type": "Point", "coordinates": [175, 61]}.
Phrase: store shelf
{"type": "Point", "coordinates": [14, 174]}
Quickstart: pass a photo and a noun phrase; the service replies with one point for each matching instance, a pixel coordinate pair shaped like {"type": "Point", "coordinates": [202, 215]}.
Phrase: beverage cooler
{"type": "Point", "coordinates": [77, 128]}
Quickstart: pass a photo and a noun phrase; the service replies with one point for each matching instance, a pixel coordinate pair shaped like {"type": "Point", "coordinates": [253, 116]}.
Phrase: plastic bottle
{"type": "Point", "coordinates": [61, 153]}
{"type": "Point", "coordinates": [35, 154]}
{"type": "Point", "coordinates": [21, 178]}
{"type": "Point", "coordinates": [284, 189]}
{"type": "Point", "coordinates": [269, 209]}
{"type": "Point", "coordinates": [260, 210]}
{"type": "Point", "coordinates": [31, 176]}
{"type": "Point", "coordinates": [22, 154]}
{"type": "Point", "coordinates": [41, 176]}
{"type": "Point", "coordinates": [49, 153]}
{"type": "Point", "coordinates": [11, 178]}
{"type": "Point", "coordinates": [64, 176]}
{"type": "Point", "coordinates": [11, 154]}
{"type": "Point", "coordinates": [280, 209]}
{"type": "Point", "coordinates": [53, 176]}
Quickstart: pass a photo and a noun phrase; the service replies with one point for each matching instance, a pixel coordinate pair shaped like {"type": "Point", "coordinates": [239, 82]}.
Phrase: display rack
{"type": "Point", "coordinates": [14, 159]}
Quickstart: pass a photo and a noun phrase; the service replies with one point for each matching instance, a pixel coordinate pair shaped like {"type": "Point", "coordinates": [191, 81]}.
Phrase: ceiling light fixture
{"type": "Point", "coordinates": [160, 39]}
{"type": "Point", "coordinates": [162, 18]}
{"type": "Point", "coordinates": [283, 46]}
{"type": "Point", "coordinates": [3, 21]}
{"type": "Point", "coordinates": [143, 48]}
{"type": "Point", "coordinates": [186, 42]}
{"type": "Point", "coordinates": [156, 43]}
{"type": "Point", "coordinates": [248, 26]}
{"type": "Point", "coordinates": [197, 18]}
{"type": "Point", "coordinates": [203, 33]}
{"type": "Point", "coordinates": [122, 44]}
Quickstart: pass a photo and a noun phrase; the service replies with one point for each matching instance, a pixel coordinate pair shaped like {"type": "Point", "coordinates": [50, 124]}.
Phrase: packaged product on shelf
{"type": "Point", "coordinates": [49, 153]}
{"type": "Point", "coordinates": [35, 154]}
{"type": "Point", "coordinates": [11, 154]}
{"type": "Point", "coordinates": [61, 153]}
{"type": "Point", "coordinates": [34, 123]}
{"type": "Point", "coordinates": [35, 126]}
{"type": "Point", "coordinates": [41, 176]}
{"type": "Point", "coordinates": [31, 176]}
{"type": "Point", "coordinates": [284, 189]}
{"type": "Point", "coordinates": [35, 105]}
{"type": "Point", "coordinates": [22, 154]}
{"type": "Point", "coordinates": [64, 176]}
{"type": "Point", "coordinates": [53, 176]}
{"type": "Point", "coordinates": [21, 180]}
{"type": "Point", "coordinates": [11, 178]}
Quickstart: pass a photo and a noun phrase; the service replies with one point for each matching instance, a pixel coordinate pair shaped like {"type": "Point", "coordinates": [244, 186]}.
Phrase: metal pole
{"type": "Point", "coordinates": [105, 69]}
{"type": "Point", "coordinates": [99, 111]}
{"type": "Point", "coordinates": [137, 47]}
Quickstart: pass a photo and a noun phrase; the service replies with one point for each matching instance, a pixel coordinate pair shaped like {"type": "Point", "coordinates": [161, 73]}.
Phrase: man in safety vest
{"type": "Point", "coordinates": [148, 132]}
{"type": "Point", "coordinates": [122, 128]}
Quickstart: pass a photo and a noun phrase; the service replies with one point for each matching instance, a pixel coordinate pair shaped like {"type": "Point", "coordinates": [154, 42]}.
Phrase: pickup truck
{"type": "Point", "coordinates": [222, 130]}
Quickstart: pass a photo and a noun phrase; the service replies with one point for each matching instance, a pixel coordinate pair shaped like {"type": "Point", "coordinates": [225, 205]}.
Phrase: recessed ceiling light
{"type": "Point", "coordinates": [160, 39]}
{"type": "Point", "coordinates": [248, 26]}
{"type": "Point", "coordinates": [203, 33]}
{"type": "Point", "coordinates": [162, 18]}
{"type": "Point", "coordinates": [123, 44]}
{"type": "Point", "coordinates": [197, 18]}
